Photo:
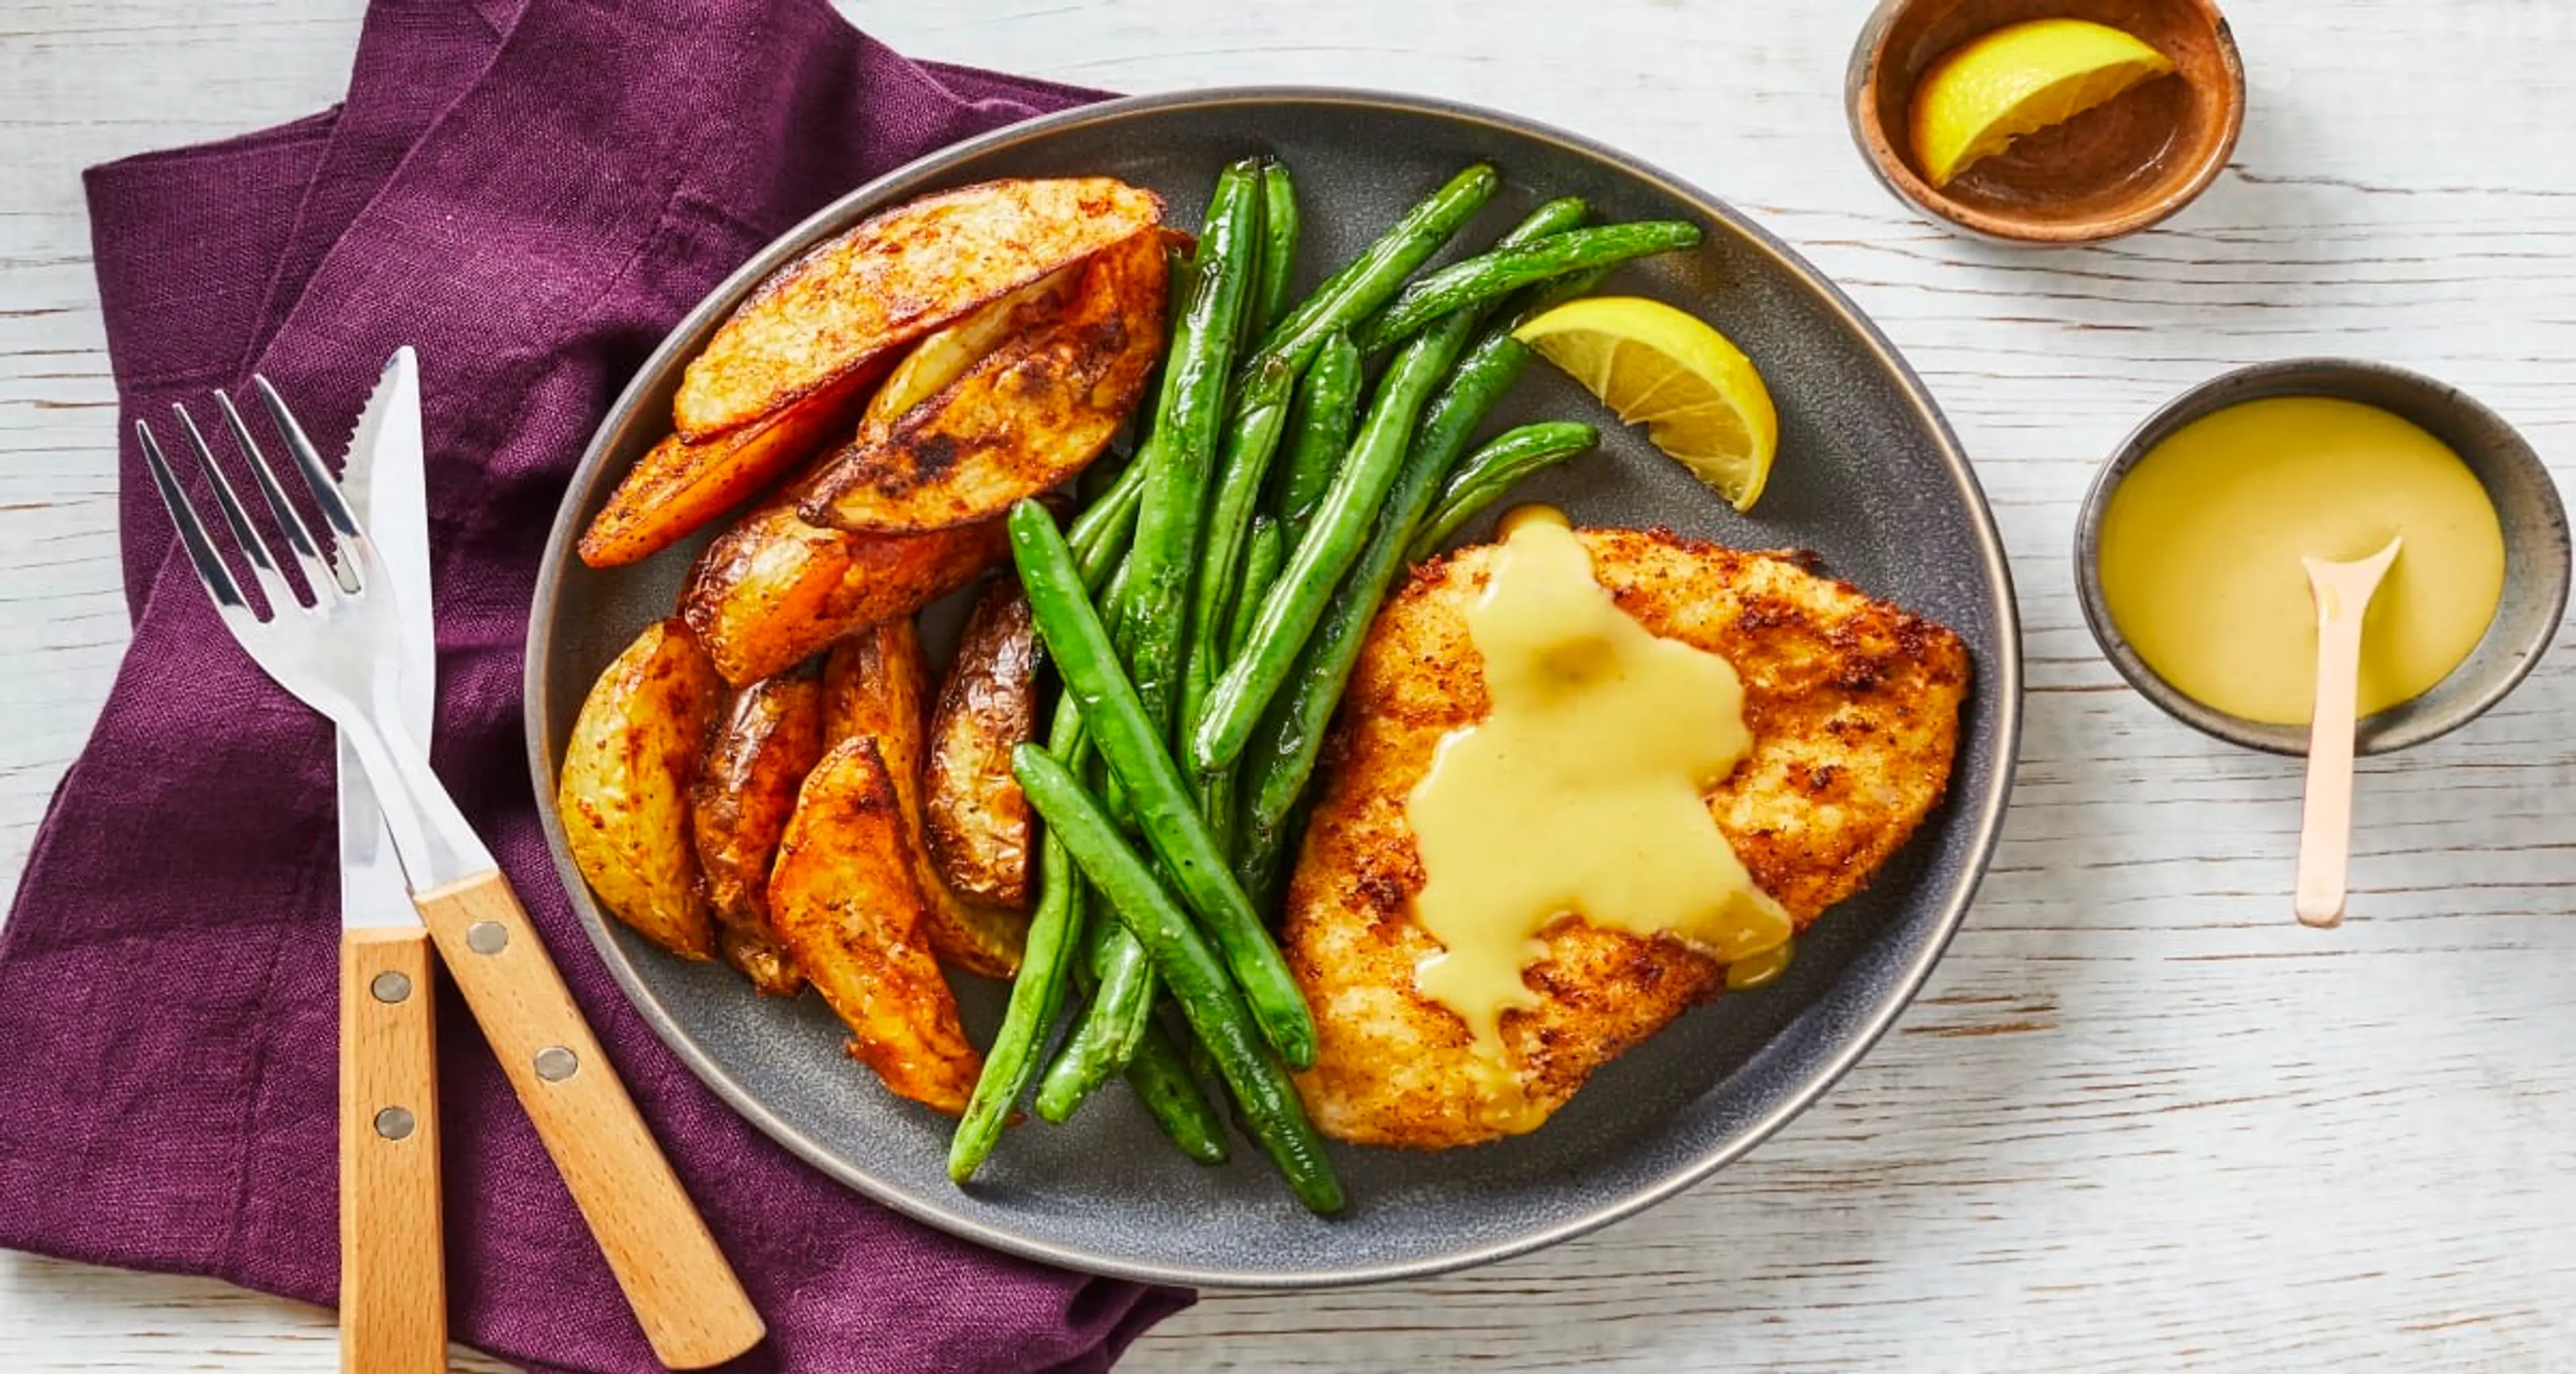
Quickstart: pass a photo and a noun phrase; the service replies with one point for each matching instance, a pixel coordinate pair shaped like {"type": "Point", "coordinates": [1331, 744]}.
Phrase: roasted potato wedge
{"type": "Point", "coordinates": [891, 280]}
{"type": "Point", "coordinates": [1030, 414]}
{"type": "Point", "coordinates": [774, 590]}
{"type": "Point", "coordinates": [876, 686]}
{"type": "Point", "coordinates": [876, 683]}
{"type": "Point", "coordinates": [848, 905]}
{"type": "Point", "coordinates": [944, 355]}
{"type": "Point", "coordinates": [769, 738]}
{"type": "Point", "coordinates": [761, 958]}
{"type": "Point", "coordinates": [678, 486]}
{"type": "Point", "coordinates": [625, 786]}
{"type": "Point", "coordinates": [973, 815]}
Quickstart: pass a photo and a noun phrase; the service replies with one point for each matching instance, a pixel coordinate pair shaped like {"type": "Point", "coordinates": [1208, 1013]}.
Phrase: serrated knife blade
{"type": "Point", "coordinates": [383, 479]}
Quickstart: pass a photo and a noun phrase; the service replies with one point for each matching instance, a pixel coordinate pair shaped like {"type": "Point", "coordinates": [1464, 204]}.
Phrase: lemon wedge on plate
{"type": "Point", "coordinates": [2018, 80]}
{"type": "Point", "coordinates": [1696, 393]}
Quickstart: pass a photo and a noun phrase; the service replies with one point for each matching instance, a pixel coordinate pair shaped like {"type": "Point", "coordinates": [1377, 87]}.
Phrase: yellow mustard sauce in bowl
{"type": "Point", "coordinates": [2200, 549]}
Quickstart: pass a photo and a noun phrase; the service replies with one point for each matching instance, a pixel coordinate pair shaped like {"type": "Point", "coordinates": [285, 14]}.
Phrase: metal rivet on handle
{"type": "Point", "coordinates": [555, 1063]}
{"type": "Point", "coordinates": [487, 937]}
{"type": "Point", "coordinates": [390, 986]}
{"type": "Point", "coordinates": [393, 1123]}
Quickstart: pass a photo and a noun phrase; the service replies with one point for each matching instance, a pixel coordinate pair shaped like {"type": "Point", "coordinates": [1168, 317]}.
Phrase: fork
{"type": "Point", "coordinates": [336, 648]}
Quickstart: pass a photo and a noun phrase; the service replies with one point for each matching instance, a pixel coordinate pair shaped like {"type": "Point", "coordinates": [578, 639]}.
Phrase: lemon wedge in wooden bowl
{"type": "Point", "coordinates": [2019, 80]}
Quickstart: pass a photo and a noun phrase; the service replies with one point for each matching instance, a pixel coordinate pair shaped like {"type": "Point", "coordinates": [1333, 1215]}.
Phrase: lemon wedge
{"type": "Point", "coordinates": [2018, 80]}
{"type": "Point", "coordinates": [1698, 396]}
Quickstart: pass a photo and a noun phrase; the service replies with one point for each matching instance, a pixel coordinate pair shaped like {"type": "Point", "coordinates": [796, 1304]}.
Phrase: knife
{"type": "Point", "coordinates": [393, 1299]}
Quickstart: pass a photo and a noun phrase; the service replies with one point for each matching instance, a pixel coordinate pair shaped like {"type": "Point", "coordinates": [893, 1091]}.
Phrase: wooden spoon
{"type": "Point", "coordinates": [2342, 592]}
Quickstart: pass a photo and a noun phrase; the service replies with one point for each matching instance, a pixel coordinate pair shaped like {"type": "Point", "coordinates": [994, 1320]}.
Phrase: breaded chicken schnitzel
{"type": "Point", "coordinates": [1853, 706]}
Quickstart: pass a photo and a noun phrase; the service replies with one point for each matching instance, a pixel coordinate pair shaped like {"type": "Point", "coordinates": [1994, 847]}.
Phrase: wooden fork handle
{"type": "Point", "coordinates": [393, 1277]}
{"type": "Point", "coordinates": [692, 1307]}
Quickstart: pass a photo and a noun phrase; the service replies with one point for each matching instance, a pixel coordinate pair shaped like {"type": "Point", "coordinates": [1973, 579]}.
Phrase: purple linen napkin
{"type": "Point", "coordinates": [531, 191]}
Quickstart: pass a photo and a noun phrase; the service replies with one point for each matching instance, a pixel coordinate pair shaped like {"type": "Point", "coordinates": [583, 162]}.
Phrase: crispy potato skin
{"type": "Point", "coordinates": [974, 815]}
{"type": "Point", "coordinates": [624, 789]}
{"type": "Point", "coordinates": [876, 686]}
{"type": "Point", "coordinates": [679, 486]}
{"type": "Point", "coordinates": [892, 279]}
{"type": "Point", "coordinates": [1854, 709]}
{"type": "Point", "coordinates": [768, 739]}
{"type": "Point", "coordinates": [1029, 415]}
{"type": "Point", "coordinates": [774, 590]}
{"type": "Point", "coordinates": [848, 906]}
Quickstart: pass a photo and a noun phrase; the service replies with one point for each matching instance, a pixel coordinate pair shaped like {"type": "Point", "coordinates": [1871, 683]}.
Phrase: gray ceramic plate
{"type": "Point", "coordinates": [1869, 477]}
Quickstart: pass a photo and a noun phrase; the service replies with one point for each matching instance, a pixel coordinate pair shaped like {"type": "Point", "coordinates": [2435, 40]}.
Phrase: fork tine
{"type": "Point", "coordinates": [318, 567]}
{"type": "Point", "coordinates": [318, 476]}
{"type": "Point", "coordinates": [211, 572]}
{"type": "Point", "coordinates": [254, 549]}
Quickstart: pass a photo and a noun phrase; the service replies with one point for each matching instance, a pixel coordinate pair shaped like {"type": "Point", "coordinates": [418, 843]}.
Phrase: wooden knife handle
{"type": "Point", "coordinates": [685, 1295]}
{"type": "Point", "coordinates": [393, 1269]}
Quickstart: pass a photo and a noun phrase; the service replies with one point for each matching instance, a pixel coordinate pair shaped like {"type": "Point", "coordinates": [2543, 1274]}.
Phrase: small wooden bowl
{"type": "Point", "coordinates": [2107, 172]}
{"type": "Point", "coordinates": [2537, 549]}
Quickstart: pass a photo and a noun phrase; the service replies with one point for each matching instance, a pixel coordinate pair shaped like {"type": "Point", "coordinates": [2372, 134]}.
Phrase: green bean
{"type": "Point", "coordinates": [1493, 364]}
{"type": "Point", "coordinates": [1183, 446]}
{"type": "Point", "coordinates": [1108, 942]}
{"type": "Point", "coordinates": [1115, 718]}
{"type": "Point", "coordinates": [1105, 1040]}
{"type": "Point", "coordinates": [1108, 598]}
{"type": "Point", "coordinates": [1369, 280]}
{"type": "Point", "coordinates": [1213, 1005]}
{"type": "Point", "coordinates": [1279, 234]}
{"type": "Point", "coordinates": [1160, 1077]}
{"type": "Point", "coordinates": [1328, 405]}
{"type": "Point", "coordinates": [1114, 589]}
{"type": "Point", "coordinates": [1265, 387]}
{"type": "Point", "coordinates": [1494, 469]}
{"type": "Point", "coordinates": [1037, 993]}
{"type": "Point", "coordinates": [1100, 534]}
{"type": "Point", "coordinates": [1249, 441]}
{"type": "Point", "coordinates": [1096, 942]}
{"type": "Point", "coordinates": [1292, 734]}
{"type": "Point", "coordinates": [1293, 605]}
{"type": "Point", "coordinates": [1262, 557]}
{"type": "Point", "coordinates": [1488, 275]}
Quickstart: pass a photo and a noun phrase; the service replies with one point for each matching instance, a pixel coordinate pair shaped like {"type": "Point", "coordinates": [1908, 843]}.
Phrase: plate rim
{"type": "Point", "coordinates": [1907, 982]}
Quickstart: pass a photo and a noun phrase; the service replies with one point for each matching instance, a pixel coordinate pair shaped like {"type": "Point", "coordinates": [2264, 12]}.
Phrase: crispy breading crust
{"type": "Point", "coordinates": [1854, 709]}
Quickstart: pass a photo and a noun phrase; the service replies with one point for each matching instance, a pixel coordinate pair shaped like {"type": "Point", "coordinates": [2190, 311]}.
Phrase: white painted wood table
{"type": "Point", "coordinates": [2140, 1120]}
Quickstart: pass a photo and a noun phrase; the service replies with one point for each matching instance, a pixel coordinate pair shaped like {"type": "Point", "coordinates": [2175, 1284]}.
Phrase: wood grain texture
{"type": "Point", "coordinates": [685, 1295]}
{"type": "Point", "coordinates": [393, 1267]}
{"type": "Point", "coordinates": [2140, 1119]}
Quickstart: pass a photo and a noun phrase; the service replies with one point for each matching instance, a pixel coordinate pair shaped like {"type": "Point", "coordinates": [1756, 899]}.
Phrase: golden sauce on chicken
{"type": "Point", "coordinates": [1853, 709]}
{"type": "Point", "coordinates": [1578, 793]}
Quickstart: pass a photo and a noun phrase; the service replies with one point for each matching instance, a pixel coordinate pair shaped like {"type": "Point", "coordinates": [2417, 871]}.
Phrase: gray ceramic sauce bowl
{"type": "Point", "coordinates": [2526, 502]}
